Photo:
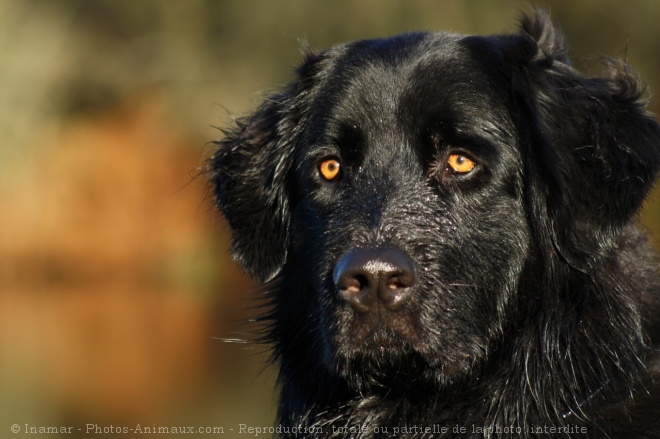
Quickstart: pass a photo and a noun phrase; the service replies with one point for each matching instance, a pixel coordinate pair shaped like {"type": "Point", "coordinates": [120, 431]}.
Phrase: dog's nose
{"type": "Point", "coordinates": [366, 276]}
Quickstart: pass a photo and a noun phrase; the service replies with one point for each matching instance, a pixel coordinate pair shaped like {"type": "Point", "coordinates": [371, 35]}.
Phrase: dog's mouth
{"type": "Point", "coordinates": [378, 325]}
{"type": "Point", "coordinates": [375, 285]}
{"type": "Point", "coordinates": [378, 334]}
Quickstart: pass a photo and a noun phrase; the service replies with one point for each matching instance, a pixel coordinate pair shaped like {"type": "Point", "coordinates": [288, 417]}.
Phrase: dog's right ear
{"type": "Point", "coordinates": [248, 173]}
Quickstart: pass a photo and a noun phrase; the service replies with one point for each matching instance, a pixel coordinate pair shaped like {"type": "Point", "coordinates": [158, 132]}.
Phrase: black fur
{"type": "Point", "coordinates": [536, 301]}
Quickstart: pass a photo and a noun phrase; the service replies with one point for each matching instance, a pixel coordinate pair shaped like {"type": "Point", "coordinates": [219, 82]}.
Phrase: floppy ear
{"type": "Point", "coordinates": [248, 173]}
{"type": "Point", "coordinates": [595, 146]}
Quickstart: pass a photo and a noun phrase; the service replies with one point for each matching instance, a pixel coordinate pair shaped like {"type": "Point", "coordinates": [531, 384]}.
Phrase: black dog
{"type": "Point", "coordinates": [443, 225]}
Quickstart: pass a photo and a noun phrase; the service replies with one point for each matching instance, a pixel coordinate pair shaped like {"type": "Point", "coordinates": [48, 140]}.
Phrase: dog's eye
{"type": "Point", "coordinates": [330, 169]}
{"type": "Point", "coordinates": [459, 164]}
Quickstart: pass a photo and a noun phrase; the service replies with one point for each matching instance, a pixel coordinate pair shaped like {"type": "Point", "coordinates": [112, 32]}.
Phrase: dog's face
{"type": "Point", "coordinates": [400, 196]}
{"type": "Point", "coordinates": [424, 181]}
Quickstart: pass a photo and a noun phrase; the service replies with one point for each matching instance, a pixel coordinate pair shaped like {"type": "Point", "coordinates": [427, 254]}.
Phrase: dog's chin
{"type": "Point", "coordinates": [393, 372]}
{"type": "Point", "coordinates": [387, 360]}
{"type": "Point", "coordinates": [384, 342]}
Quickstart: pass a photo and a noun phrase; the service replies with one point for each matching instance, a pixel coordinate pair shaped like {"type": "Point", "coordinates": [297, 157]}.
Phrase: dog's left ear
{"type": "Point", "coordinates": [595, 146]}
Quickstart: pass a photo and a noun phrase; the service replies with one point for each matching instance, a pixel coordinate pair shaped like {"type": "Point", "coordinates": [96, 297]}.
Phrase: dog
{"type": "Point", "coordinates": [443, 226]}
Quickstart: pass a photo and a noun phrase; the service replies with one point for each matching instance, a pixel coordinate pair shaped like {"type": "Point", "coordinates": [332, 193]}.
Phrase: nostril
{"type": "Point", "coordinates": [356, 284]}
{"type": "Point", "coordinates": [355, 287]}
{"type": "Point", "coordinates": [394, 283]}
{"type": "Point", "coordinates": [404, 277]}
{"type": "Point", "coordinates": [396, 289]}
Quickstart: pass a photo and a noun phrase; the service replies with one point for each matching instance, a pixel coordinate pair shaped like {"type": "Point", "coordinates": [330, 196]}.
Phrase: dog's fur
{"type": "Point", "coordinates": [536, 300]}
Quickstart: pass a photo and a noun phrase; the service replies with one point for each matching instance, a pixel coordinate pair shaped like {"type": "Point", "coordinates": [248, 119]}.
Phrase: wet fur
{"type": "Point", "coordinates": [537, 303]}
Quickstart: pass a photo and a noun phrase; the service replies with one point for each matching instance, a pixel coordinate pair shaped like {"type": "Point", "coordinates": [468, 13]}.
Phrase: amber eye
{"type": "Point", "coordinates": [459, 164]}
{"type": "Point", "coordinates": [330, 169]}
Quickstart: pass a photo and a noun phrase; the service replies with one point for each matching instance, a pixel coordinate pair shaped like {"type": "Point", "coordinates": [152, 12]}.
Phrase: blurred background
{"type": "Point", "coordinates": [115, 278]}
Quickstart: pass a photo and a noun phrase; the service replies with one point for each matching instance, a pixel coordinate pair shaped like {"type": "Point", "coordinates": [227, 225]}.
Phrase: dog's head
{"type": "Point", "coordinates": [397, 196]}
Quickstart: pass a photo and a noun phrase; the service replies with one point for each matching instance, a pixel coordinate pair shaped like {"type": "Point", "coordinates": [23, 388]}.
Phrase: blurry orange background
{"type": "Point", "coordinates": [116, 283]}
